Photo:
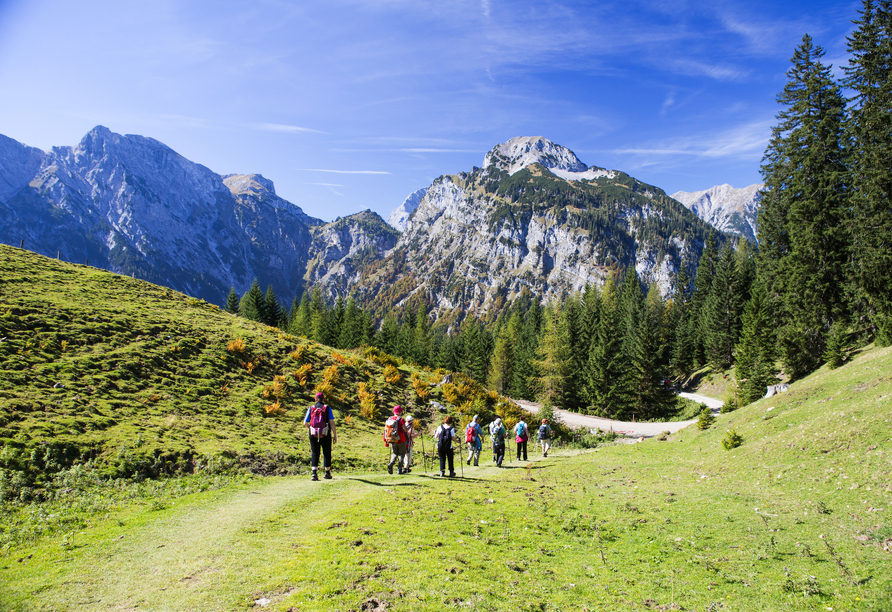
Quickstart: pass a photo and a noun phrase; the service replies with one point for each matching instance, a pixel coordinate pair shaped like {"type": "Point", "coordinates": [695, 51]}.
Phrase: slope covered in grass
{"type": "Point", "coordinates": [796, 518]}
{"type": "Point", "coordinates": [144, 381]}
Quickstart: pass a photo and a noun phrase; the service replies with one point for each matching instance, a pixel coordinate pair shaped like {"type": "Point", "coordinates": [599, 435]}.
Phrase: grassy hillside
{"type": "Point", "coordinates": [144, 381]}
{"type": "Point", "coordinates": [795, 518]}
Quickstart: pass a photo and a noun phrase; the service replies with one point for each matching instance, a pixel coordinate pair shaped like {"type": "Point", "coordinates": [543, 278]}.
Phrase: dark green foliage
{"type": "Point", "coordinates": [869, 76]}
{"type": "Point", "coordinates": [232, 302]}
{"type": "Point", "coordinates": [802, 222]}
{"type": "Point", "coordinates": [835, 355]}
{"type": "Point", "coordinates": [253, 305]}
{"type": "Point", "coordinates": [731, 440]}
{"type": "Point", "coordinates": [756, 352]}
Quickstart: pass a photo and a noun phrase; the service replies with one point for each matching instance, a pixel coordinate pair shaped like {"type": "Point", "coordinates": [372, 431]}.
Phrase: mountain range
{"type": "Point", "coordinates": [730, 210]}
{"type": "Point", "coordinates": [532, 218]}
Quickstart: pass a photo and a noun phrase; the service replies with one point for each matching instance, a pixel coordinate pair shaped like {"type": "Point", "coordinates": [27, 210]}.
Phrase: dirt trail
{"type": "Point", "coordinates": [633, 429]}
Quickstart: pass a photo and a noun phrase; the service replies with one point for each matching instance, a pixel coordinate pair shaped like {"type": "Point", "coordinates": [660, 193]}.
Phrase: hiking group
{"type": "Point", "coordinates": [400, 435]}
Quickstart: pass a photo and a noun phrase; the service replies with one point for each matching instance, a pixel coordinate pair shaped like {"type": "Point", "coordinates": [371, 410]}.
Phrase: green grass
{"type": "Point", "coordinates": [796, 518]}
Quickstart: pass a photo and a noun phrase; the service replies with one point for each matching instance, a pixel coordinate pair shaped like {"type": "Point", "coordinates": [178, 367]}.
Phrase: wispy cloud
{"type": "Point", "coordinates": [344, 171]}
{"type": "Point", "coordinates": [325, 184]}
{"type": "Point", "coordinates": [406, 150]}
{"type": "Point", "coordinates": [287, 129]}
{"type": "Point", "coordinates": [742, 141]}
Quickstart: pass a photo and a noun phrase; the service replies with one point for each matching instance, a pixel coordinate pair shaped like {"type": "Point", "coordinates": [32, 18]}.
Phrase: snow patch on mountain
{"type": "Point", "coordinates": [400, 216]}
{"type": "Point", "coordinates": [523, 151]}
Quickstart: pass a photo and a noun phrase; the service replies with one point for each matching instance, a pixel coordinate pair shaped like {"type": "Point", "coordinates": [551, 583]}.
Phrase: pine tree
{"type": "Point", "coordinates": [252, 306]}
{"type": "Point", "coordinates": [232, 301]}
{"type": "Point", "coordinates": [702, 290]}
{"type": "Point", "coordinates": [500, 364]}
{"type": "Point", "coordinates": [682, 342]}
{"type": "Point", "coordinates": [869, 75]}
{"type": "Point", "coordinates": [552, 363]}
{"type": "Point", "coordinates": [803, 212]}
{"type": "Point", "coordinates": [720, 314]}
{"type": "Point", "coordinates": [302, 321]}
{"type": "Point", "coordinates": [756, 350]}
{"type": "Point", "coordinates": [387, 337]}
{"type": "Point", "coordinates": [272, 311]}
{"type": "Point", "coordinates": [606, 389]}
{"type": "Point", "coordinates": [422, 340]}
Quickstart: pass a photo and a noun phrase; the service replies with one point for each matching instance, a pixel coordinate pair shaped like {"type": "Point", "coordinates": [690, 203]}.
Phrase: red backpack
{"type": "Point", "coordinates": [318, 421]}
{"type": "Point", "coordinates": [470, 433]}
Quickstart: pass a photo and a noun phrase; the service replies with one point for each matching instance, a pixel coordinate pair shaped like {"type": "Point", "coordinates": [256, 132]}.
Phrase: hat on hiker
{"type": "Point", "coordinates": [397, 410]}
{"type": "Point", "coordinates": [475, 418]}
{"type": "Point", "coordinates": [409, 419]}
{"type": "Point", "coordinates": [498, 421]}
{"type": "Point", "coordinates": [319, 395]}
{"type": "Point", "coordinates": [544, 420]}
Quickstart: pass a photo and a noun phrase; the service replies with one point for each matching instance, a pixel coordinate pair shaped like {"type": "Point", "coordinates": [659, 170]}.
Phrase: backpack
{"type": "Point", "coordinates": [444, 440]}
{"type": "Point", "coordinates": [470, 434]}
{"type": "Point", "coordinates": [522, 432]}
{"type": "Point", "coordinates": [498, 435]}
{"type": "Point", "coordinates": [392, 431]}
{"type": "Point", "coordinates": [318, 421]}
{"type": "Point", "coordinates": [544, 432]}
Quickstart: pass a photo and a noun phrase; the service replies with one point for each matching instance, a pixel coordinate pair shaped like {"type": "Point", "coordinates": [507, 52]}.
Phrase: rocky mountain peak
{"type": "Point", "coordinates": [400, 216]}
{"type": "Point", "coordinates": [729, 209]}
{"type": "Point", "coordinates": [523, 151]}
{"type": "Point", "coordinates": [249, 184]}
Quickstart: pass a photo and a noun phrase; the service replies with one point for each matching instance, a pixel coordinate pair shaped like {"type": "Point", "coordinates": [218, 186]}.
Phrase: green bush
{"type": "Point", "coordinates": [705, 420]}
{"type": "Point", "coordinates": [732, 440]}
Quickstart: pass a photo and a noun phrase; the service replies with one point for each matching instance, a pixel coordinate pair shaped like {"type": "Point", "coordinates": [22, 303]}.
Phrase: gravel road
{"type": "Point", "coordinates": [575, 420]}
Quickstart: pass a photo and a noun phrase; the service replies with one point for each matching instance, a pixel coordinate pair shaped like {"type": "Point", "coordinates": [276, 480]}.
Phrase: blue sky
{"type": "Point", "coordinates": [353, 104]}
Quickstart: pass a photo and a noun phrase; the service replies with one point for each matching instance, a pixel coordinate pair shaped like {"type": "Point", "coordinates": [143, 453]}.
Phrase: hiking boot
{"type": "Point", "coordinates": [451, 474]}
{"type": "Point", "coordinates": [544, 454]}
{"type": "Point", "coordinates": [327, 476]}
{"type": "Point", "coordinates": [442, 474]}
{"type": "Point", "coordinates": [469, 462]}
{"type": "Point", "coordinates": [406, 470]}
{"type": "Point", "coordinates": [315, 476]}
{"type": "Point", "coordinates": [390, 468]}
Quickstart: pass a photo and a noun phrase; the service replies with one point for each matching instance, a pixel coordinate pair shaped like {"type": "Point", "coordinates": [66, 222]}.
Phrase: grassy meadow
{"type": "Point", "coordinates": [797, 517]}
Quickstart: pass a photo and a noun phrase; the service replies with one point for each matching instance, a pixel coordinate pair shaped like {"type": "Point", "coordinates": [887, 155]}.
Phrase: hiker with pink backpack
{"type": "Point", "coordinates": [521, 436]}
{"type": "Point", "coordinates": [396, 437]}
{"type": "Point", "coordinates": [320, 421]}
{"type": "Point", "coordinates": [474, 439]}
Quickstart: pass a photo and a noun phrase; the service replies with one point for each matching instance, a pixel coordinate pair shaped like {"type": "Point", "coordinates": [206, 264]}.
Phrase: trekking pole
{"type": "Point", "coordinates": [461, 461]}
{"type": "Point", "coordinates": [423, 453]}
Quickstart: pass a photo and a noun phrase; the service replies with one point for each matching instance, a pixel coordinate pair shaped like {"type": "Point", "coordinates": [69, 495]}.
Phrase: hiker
{"type": "Point", "coordinates": [444, 435]}
{"type": "Point", "coordinates": [474, 438]}
{"type": "Point", "coordinates": [497, 432]}
{"type": "Point", "coordinates": [521, 435]}
{"type": "Point", "coordinates": [543, 437]}
{"type": "Point", "coordinates": [320, 421]}
{"type": "Point", "coordinates": [395, 437]}
{"type": "Point", "coordinates": [411, 434]}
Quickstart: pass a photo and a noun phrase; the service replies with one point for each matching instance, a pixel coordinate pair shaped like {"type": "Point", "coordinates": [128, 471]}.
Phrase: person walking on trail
{"type": "Point", "coordinates": [474, 438]}
{"type": "Point", "coordinates": [521, 435]}
{"type": "Point", "coordinates": [321, 423]}
{"type": "Point", "coordinates": [544, 437]}
{"type": "Point", "coordinates": [396, 437]}
{"type": "Point", "coordinates": [411, 434]}
{"type": "Point", "coordinates": [497, 432]}
{"type": "Point", "coordinates": [444, 436]}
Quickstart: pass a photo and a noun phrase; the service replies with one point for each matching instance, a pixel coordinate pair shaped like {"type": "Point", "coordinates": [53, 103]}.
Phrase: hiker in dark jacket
{"type": "Point", "coordinates": [321, 423]}
{"type": "Point", "coordinates": [444, 435]}
{"type": "Point", "coordinates": [497, 432]}
{"type": "Point", "coordinates": [544, 437]}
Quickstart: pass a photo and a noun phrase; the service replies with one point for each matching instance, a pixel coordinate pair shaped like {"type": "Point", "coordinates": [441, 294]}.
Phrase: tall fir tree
{"type": "Point", "coordinates": [232, 301]}
{"type": "Point", "coordinates": [702, 290]}
{"type": "Point", "coordinates": [252, 306]}
{"type": "Point", "coordinates": [721, 311]}
{"type": "Point", "coordinates": [869, 76]}
{"type": "Point", "coordinates": [301, 322]}
{"type": "Point", "coordinates": [272, 311]}
{"type": "Point", "coordinates": [552, 362]}
{"type": "Point", "coordinates": [756, 350]}
{"type": "Point", "coordinates": [802, 225]}
{"type": "Point", "coordinates": [606, 387]}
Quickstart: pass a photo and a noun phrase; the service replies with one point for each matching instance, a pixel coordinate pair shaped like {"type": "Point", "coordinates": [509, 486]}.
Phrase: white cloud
{"type": "Point", "coordinates": [288, 129]}
{"type": "Point", "coordinates": [344, 171]}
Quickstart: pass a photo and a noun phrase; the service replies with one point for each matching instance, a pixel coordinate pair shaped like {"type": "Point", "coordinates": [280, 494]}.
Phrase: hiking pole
{"type": "Point", "coordinates": [423, 453]}
{"type": "Point", "coordinates": [461, 461]}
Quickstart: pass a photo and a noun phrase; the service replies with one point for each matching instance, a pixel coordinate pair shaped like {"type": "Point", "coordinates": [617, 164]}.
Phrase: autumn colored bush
{"type": "Point", "coordinates": [302, 374]}
{"type": "Point", "coordinates": [392, 375]}
{"type": "Point", "coordinates": [367, 401]}
{"type": "Point", "coordinates": [236, 347]}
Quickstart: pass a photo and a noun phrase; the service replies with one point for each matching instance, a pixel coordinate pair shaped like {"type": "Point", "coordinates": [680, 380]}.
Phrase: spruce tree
{"type": "Point", "coordinates": [869, 76]}
{"type": "Point", "coordinates": [606, 386]}
{"type": "Point", "coordinates": [719, 321]}
{"type": "Point", "coordinates": [552, 363]}
{"type": "Point", "coordinates": [272, 311]}
{"type": "Point", "coordinates": [232, 301]}
{"type": "Point", "coordinates": [702, 290]}
{"type": "Point", "coordinates": [301, 322]}
{"type": "Point", "coordinates": [252, 306]}
{"type": "Point", "coordinates": [756, 351]}
{"type": "Point", "coordinates": [804, 209]}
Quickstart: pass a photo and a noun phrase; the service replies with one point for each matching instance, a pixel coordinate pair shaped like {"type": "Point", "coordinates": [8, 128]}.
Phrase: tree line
{"type": "Point", "coordinates": [819, 282]}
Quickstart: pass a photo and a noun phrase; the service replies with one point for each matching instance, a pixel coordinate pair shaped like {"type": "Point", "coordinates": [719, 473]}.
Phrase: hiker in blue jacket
{"type": "Point", "coordinates": [474, 438]}
{"type": "Point", "coordinates": [321, 423]}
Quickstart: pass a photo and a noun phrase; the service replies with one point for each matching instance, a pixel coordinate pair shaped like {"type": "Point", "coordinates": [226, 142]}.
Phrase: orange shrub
{"type": "Point", "coordinates": [302, 374]}
{"type": "Point", "coordinates": [236, 346]}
